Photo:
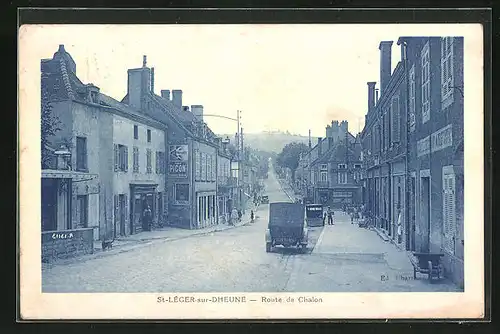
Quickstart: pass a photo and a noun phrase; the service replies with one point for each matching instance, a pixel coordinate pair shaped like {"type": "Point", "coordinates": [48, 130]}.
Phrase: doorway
{"type": "Point", "coordinates": [121, 204]}
{"type": "Point", "coordinates": [425, 206]}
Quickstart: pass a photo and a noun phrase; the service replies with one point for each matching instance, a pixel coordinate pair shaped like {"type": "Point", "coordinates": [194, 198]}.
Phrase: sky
{"type": "Point", "coordinates": [292, 78]}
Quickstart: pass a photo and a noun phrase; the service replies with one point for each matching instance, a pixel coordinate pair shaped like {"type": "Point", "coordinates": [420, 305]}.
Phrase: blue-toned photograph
{"type": "Point", "coordinates": [233, 159]}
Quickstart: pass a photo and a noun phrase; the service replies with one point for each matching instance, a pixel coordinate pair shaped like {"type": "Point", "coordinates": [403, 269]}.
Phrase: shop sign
{"type": "Point", "coordinates": [178, 169]}
{"type": "Point", "coordinates": [62, 235]}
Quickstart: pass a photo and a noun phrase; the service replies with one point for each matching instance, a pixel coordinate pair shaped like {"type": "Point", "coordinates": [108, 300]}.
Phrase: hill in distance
{"type": "Point", "coordinates": [272, 141]}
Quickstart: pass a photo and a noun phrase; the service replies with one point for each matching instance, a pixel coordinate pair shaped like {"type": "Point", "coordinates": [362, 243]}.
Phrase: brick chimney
{"type": "Point", "coordinates": [319, 146]}
{"type": "Point", "coordinates": [177, 97]}
{"type": "Point", "coordinates": [385, 64]}
{"type": "Point", "coordinates": [138, 85]}
{"type": "Point", "coordinates": [328, 131]}
{"type": "Point", "coordinates": [197, 110]}
{"type": "Point", "coordinates": [371, 95]}
{"type": "Point", "coordinates": [165, 93]}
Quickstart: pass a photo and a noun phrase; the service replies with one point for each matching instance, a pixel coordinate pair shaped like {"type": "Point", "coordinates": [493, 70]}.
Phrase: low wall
{"type": "Point", "coordinates": [67, 243]}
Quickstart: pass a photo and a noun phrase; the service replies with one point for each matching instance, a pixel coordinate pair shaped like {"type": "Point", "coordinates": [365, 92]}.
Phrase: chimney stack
{"type": "Point", "coordinates": [144, 61]}
{"type": "Point", "coordinates": [197, 110]}
{"type": "Point", "coordinates": [152, 80]}
{"type": "Point", "coordinates": [371, 95]}
{"type": "Point", "coordinates": [328, 131]}
{"type": "Point", "coordinates": [177, 97]}
{"type": "Point", "coordinates": [385, 64]}
{"type": "Point", "coordinates": [165, 93]}
{"type": "Point", "coordinates": [138, 85]}
{"type": "Point", "coordinates": [319, 145]}
{"type": "Point", "coordinates": [310, 145]}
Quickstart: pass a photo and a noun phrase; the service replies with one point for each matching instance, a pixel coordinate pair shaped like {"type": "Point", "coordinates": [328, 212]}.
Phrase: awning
{"type": "Point", "coordinates": [67, 174]}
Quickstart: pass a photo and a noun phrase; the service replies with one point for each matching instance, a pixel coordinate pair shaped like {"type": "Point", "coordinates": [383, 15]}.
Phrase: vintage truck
{"type": "Point", "coordinates": [287, 226]}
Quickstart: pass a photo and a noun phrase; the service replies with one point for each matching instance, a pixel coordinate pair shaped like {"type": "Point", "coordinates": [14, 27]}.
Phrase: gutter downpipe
{"type": "Point", "coordinates": [407, 178]}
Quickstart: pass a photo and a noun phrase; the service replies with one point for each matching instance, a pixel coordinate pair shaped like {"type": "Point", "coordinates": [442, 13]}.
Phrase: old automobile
{"type": "Point", "coordinates": [314, 215]}
{"type": "Point", "coordinates": [287, 226]}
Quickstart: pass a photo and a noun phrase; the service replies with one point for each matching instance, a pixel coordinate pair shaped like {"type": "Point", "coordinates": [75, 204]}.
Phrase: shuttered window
{"type": "Point", "coordinates": [203, 167]}
{"type": "Point", "coordinates": [149, 162]}
{"type": "Point", "coordinates": [395, 120]}
{"type": "Point", "coordinates": [197, 165]}
{"type": "Point", "coordinates": [426, 82]}
{"type": "Point", "coordinates": [412, 106]}
{"type": "Point", "coordinates": [136, 159]}
{"type": "Point", "coordinates": [449, 214]}
{"type": "Point", "coordinates": [121, 158]}
{"type": "Point", "coordinates": [446, 71]}
{"type": "Point", "coordinates": [81, 153]}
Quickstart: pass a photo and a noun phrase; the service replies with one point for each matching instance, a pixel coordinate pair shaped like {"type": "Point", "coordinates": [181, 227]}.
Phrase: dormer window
{"type": "Point", "coordinates": [357, 165]}
{"type": "Point", "coordinates": [342, 166]}
{"type": "Point", "coordinates": [324, 167]}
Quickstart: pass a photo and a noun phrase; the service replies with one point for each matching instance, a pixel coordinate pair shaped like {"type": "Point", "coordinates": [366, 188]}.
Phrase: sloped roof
{"type": "Point", "coordinates": [339, 152]}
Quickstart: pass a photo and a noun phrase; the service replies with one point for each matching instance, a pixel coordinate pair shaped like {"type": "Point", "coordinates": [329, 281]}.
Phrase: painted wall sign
{"type": "Point", "coordinates": [439, 140]}
{"type": "Point", "coordinates": [178, 169]}
{"type": "Point", "coordinates": [178, 153]}
{"type": "Point", "coordinates": [62, 235]}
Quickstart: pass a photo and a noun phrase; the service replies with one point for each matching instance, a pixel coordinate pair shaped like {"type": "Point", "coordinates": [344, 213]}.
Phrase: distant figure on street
{"type": "Point", "coordinates": [330, 216]}
{"type": "Point", "coordinates": [239, 215]}
{"type": "Point", "coordinates": [251, 216]}
{"type": "Point", "coordinates": [234, 216]}
{"type": "Point", "coordinates": [324, 217]}
{"type": "Point", "coordinates": [400, 227]}
{"type": "Point", "coordinates": [148, 217]}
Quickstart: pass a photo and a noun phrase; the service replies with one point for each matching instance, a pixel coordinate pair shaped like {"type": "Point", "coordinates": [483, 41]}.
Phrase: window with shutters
{"type": "Point", "coordinates": [136, 159]}
{"type": "Point", "coordinates": [81, 154]}
{"type": "Point", "coordinates": [121, 158]}
{"type": "Point", "coordinates": [160, 162]}
{"type": "Point", "coordinates": [209, 168]}
{"type": "Point", "coordinates": [449, 214]}
{"type": "Point", "coordinates": [446, 71]}
{"type": "Point", "coordinates": [203, 167]}
{"type": "Point", "coordinates": [149, 162]}
{"type": "Point", "coordinates": [197, 165]}
{"type": "Point", "coordinates": [395, 120]}
{"type": "Point", "coordinates": [412, 105]}
{"type": "Point", "coordinates": [426, 82]}
{"type": "Point", "coordinates": [342, 178]}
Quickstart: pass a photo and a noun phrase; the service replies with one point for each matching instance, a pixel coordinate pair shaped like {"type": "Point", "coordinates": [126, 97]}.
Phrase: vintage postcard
{"type": "Point", "coordinates": [251, 171]}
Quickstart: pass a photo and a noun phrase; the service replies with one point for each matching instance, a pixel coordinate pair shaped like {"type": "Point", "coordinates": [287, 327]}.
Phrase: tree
{"type": "Point", "coordinates": [49, 127]}
{"type": "Point", "coordinates": [289, 156]}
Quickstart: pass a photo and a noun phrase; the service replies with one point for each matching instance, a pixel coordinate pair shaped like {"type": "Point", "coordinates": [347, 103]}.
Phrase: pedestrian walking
{"type": "Point", "coordinates": [251, 216]}
{"type": "Point", "coordinates": [400, 227]}
{"type": "Point", "coordinates": [324, 218]}
{"type": "Point", "coordinates": [239, 215]}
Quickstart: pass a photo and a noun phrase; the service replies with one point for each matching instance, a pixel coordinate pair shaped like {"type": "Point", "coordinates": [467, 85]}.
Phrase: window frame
{"type": "Point", "coordinates": [412, 98]}
{"type": "Point", "coordinates": [426, 83]}
{"type": "Point", "coordinates": [148, 135]}
{"type": "Point", "coordinates": [447, 71]}
{"type": "Point", "coordinates": [136, 132]}
{"type": "Point", "coordinates": [81, 162]}
{"type": "Point", "coordinates": [342, 177]}
{"type": "Point", "coordinates": [449, 228]}
{"type": "Point", "coordinates": [149, 161]}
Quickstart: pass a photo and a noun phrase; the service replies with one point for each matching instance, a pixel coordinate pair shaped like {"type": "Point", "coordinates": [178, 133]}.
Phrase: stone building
{"type": "Point", "coordinates": [111, 150]}
{"type": "Point", "coordinates": [335, 170]}
{"type": "Point", "coordinates": [192, 150]}
{"type": "Point", "coordinates": [225, 184]}
{"type": "Point", "coordinates": [421, 170]}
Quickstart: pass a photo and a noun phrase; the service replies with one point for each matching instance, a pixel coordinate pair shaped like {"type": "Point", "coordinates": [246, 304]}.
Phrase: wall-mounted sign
{"type": "Point", "coordinates": [62, 235]}
{"type": "Point", "coordinates": [179, 169]}
{"type": "Point", "coordinates": [178, 153]}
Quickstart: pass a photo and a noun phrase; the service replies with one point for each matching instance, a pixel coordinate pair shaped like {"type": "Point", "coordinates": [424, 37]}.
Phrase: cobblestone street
{"type": "Point", "coordinates": [342, 257]}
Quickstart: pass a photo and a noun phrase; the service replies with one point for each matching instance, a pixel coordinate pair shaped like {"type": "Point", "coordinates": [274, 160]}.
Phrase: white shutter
{"type": "Point", "coordinates": [449, 220]}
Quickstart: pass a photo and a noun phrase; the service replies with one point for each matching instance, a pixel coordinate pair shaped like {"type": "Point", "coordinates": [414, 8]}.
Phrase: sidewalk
{"type": "Point", "coordinates": [344, 237]}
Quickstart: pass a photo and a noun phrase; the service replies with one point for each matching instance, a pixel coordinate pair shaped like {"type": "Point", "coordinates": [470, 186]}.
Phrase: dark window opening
{"type": "Point", "coordinates": [81, 153]}
{"type": "Point", "coordinates": [149, 136]}
{"type": "Point", "coordinates": [136, 132]}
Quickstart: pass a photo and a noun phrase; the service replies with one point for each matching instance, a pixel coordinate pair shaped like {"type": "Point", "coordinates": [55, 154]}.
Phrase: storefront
{"type": "Point", "coordinates": [65, 228]}
{"type": "Point", "coordinates": [144, 198]}
{"type": "Point", "coordinates": [206, 205]}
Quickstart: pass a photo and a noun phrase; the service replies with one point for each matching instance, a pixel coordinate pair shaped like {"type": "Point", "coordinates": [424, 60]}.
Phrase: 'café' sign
{"type": "Point", "coordinates": [62, 235]}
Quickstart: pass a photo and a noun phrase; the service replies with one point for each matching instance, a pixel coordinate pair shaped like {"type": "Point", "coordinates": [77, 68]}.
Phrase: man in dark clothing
{"type": "Point", "coordinates": [330, 216]}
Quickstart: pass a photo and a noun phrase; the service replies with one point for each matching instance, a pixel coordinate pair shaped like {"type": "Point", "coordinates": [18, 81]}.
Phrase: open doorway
{"type": "Point", "coordinates": [425, 209]}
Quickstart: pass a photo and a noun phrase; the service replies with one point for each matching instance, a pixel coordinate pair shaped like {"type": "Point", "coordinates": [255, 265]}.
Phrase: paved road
{"type": "Point", "coordinates": [342, 257]}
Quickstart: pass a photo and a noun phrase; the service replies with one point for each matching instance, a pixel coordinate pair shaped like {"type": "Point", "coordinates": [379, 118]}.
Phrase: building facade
{"type": "Point", "coordinates": [100, 136]}
{"type": "Point", "coordinates": [192, 150]}
{"type": "Point", "coordinates": [414, 165]}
